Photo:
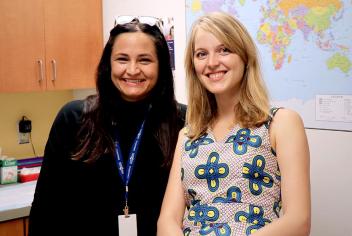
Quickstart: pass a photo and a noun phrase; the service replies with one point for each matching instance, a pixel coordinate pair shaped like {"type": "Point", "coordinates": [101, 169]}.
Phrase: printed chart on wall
{"type": "Point", "coordinates": [306, 53]}
{"type": "Point", "coordinates": [168, 28]}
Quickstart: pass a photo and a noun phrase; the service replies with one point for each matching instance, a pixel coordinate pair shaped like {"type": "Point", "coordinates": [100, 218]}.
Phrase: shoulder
{"type": "Point", "coordinates": [65, 126]}
{"type": "Point", "coordinates": [71, 111]}
{"type": "Point", "coordinates": [284, 116]}
{"type": "Point", "coordinates": [286, 121]}
{"type": "Point", "coordinates": [73, 106]}
{"type": "Point", "coordinates": [184, 131]}
{"type": "Point", "coordinates": [182, 137]}
{"type": "Point", "coordinates": [182, 134]}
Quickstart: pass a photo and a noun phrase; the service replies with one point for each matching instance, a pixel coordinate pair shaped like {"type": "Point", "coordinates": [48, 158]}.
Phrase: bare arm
{"type": "Point", "coordinates": [173, 207]}
{"type": "Point", "coordinates": [289, 139]}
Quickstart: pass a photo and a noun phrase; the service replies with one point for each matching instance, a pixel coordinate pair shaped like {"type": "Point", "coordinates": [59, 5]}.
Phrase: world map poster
{"type": "Point", "coordinates": [305, 51]}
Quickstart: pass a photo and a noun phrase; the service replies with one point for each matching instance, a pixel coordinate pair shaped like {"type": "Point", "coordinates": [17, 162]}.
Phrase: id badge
{"type": "Point", "coordinates": [128, 225]}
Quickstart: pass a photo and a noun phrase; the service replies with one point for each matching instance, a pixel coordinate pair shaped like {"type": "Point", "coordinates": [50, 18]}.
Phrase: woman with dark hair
{"type": "Point", "coordinates": [108, 157]}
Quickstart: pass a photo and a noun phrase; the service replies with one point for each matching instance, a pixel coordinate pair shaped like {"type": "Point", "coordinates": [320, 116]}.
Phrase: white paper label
{"type": "Point", "coordinates": [128, 225]}
{"type": "Point", "coordinates": [336, 108]}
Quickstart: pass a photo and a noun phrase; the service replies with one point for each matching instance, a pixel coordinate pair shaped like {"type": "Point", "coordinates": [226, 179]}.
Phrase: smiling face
{"type": "Point", "coordinates": [219, 70]}
{"type": "Point", "coordinates": [134, 65]}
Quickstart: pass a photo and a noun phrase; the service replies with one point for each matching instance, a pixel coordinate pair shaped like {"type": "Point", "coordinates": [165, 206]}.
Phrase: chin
{"type": "Point", "coordinates": [133, 98]}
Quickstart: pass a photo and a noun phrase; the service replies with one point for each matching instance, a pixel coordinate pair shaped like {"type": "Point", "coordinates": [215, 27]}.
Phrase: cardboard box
{"type": "Point", "coordinates": [8, 171]}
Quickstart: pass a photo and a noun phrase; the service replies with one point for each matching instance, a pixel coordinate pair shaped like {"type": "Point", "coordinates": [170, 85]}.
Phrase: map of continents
{"type": "Point", "coordinates": [305, 48]}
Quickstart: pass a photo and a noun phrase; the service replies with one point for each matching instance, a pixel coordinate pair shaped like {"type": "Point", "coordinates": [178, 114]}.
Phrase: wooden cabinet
{"type": "Point", "coordinates": [26, 222]}
{"type": "Point", "coordinates": [13, 227]}
{"type": "Point", "coordinates": [16, 227]}
{"type": "Point", "coordinates": [49, 45]}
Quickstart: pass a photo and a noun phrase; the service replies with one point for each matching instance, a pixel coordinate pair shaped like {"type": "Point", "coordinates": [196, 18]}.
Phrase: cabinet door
{"type": "Point", "coordinates": [22, 45]}
{"type": "Point", "coordinates": [73, 42]}
{"type": "Point", "coordinates": [12, 228]}
{"type": "Point", "coordinates": [26, 222]}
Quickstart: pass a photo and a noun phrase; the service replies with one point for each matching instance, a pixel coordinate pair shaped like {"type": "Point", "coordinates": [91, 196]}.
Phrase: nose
{"type": "Point", "coordinates": [213, 60]}
{"type": "Point", "coordinates": [133, 69]}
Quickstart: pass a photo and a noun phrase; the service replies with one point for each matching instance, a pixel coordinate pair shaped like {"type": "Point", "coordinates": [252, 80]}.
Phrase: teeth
{"type": "Point", "coordinates": [134, 80]}
{"type": "Point", "coordinates": [216, 75]}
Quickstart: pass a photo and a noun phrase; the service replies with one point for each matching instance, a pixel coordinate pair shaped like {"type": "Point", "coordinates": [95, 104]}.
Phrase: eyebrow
{"type": "Point", "coordinates": [121, 54]}
{"type": "Point", "coordinates": [216, 47]}
{"type": "Point", "coordinates": [200, 48]}
{"type": "Point", "coordinates": [145, 55]}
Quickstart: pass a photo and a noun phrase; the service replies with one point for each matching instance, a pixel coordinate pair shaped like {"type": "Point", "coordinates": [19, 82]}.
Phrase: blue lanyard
{"type": "Point", "coordinates": [126, 173]}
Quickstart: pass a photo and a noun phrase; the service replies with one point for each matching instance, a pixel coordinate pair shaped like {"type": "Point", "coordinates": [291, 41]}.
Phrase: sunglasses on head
{"type": "Point", "coordinates": [149, 20]}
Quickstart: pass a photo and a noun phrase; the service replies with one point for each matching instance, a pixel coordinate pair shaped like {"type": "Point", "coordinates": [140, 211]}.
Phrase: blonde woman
{"type": "Point", "coordinates": [240, 167]}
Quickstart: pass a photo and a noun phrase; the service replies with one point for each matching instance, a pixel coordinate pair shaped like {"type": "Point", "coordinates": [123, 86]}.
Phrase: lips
{"type": "Point", "coordinates": [134, 81]}
{"type": "Point", "coordinates": [216, 75]}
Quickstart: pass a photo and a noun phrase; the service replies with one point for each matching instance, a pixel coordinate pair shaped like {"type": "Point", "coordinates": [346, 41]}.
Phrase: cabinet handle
{"type": "Point", "coordinates": [41, 71]}
{"type": "Point", "coordinates": [53, 62]}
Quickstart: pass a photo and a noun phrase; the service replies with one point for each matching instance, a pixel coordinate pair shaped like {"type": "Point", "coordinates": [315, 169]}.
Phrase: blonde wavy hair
{"type": "Point", "coordinates": [253, 107]}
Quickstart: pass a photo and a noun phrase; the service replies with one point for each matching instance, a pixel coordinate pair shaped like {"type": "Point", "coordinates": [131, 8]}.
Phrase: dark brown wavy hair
{"type": "Point", "coordinates": [95, 133]}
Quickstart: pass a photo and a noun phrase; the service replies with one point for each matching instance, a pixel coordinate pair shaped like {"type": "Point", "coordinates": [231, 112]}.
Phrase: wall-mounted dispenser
{"type": "Point", "coordinates": [24, 130]}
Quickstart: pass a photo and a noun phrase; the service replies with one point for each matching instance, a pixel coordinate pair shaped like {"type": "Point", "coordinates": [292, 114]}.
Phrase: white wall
{"type": "Point", "coordinates": [331, 158]}
{"type": "Point", "coordinates": [331, 180]}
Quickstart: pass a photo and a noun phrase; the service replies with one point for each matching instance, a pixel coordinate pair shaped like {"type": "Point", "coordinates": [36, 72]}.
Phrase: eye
{"type": "Point", "coordinates": [145, 60]}
{"type": "Point", "coordinates": [200, 55]}
{"type": "Point", "coordinates": [121, 59]}
{"type": "Point", "coordinates": [224, 51]}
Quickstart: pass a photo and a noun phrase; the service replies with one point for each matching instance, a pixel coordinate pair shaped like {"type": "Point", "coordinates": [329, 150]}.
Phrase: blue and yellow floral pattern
{"type": "Point", "coordinates": [219, 229]}
{"type": "Point", "coordinates": [193, 194]}
{"type": "Point", "coordinates": [256, 175]}
{"type": "Point", "coordinates": [193, 146]}
{"type": "Point", "coordinates": [212, 171]}
{"type": "Point", "coordinates": [233, 195]}
{"type": "Point", "coordinates": [254, 217]}
{"type": "Point", "coordinates": [242, 139]}
{"type": "Point", "coordinates": [278, 174]}
{"type": "Point", "coordinates": [277, 207]}
{"type": "Point", "coordinates": [231, 186]}
{"type": "Point", "coordinates": [187, 231]}
{"type": "Point", "coordinates": [200, 214]}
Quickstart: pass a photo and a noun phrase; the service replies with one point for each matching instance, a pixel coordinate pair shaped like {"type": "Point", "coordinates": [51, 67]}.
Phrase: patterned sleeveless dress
{"type": "Point", "coordinates": [232, 186]}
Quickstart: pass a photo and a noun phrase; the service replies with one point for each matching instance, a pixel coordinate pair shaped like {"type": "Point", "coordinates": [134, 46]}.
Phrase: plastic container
{"type": "Point", "coordinates": [28, 177]}
{"type": "Point", "coordinates": [28, 174]}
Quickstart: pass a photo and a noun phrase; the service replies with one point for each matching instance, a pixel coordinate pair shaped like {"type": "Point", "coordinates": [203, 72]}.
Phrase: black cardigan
{"type": "Point", "coordinates": [76, 198]}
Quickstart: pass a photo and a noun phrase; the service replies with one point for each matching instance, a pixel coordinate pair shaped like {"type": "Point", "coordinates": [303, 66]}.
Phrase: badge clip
{"type": "Point", "coordinates": [125, 210]}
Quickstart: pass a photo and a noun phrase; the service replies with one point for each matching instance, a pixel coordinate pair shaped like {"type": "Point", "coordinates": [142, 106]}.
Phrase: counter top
{"type": "Point", "coordinates": [16, 200]}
